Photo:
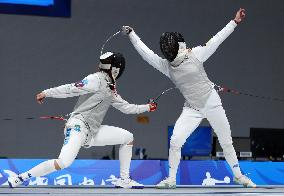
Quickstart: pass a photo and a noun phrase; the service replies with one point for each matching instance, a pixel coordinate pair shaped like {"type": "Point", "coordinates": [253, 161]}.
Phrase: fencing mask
{"type": "Point", "coordinates": [170, 44]}
{"type": "Point", "coordinates": [112, 63]}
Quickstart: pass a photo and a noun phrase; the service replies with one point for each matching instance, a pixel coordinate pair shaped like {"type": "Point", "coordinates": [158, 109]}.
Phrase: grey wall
{"type": "Point", "coordinates": [40, 52]}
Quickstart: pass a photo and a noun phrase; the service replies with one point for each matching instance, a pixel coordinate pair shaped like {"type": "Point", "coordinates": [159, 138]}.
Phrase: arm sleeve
{"type": "Point", "coordinates": [148, 55]}
{"type": "Point", "coordinates": [89, 84]}
{"type": "Point", "coordinates": [202, 53]}
{"type": "Point", "coordinates": [128, 108]}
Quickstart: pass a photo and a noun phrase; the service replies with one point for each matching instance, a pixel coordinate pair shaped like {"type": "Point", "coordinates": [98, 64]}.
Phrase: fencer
{"type": "Point", "coordinates": [97, 92]}
{"type": "Point", "coordinates": [184, 66]}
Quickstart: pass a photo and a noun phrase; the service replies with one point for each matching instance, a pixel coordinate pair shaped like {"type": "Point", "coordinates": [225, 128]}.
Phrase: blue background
{"type": "Point", "coordinates": [199, 143]}
{"type": "Point", "coordinates": [148, 172]}
{"type": "Point", "coordinates": [29, 2]}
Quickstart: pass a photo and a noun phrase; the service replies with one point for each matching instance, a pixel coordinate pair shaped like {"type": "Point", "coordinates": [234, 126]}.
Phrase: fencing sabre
{"type": "Point", "coordinates": [61, 118]}
{"type": "Point", "coordinates": [154, 100]}
{"type": "Point", "coordinates": [109, 38]}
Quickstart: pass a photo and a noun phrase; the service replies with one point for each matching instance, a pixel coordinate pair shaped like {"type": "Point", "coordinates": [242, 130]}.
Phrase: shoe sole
{"type": "Point", "coordinates": [165, 187]}
{"type": "Point", "coordinates": [137, 187]}
{"type": "Point", "coordinates": [133, 187]}
{"type": "Point", "coordinates": [244, 185]}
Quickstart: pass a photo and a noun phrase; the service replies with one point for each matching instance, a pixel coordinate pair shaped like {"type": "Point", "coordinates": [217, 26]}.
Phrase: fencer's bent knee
{"type": "Point", "coordinates": [128, 138]}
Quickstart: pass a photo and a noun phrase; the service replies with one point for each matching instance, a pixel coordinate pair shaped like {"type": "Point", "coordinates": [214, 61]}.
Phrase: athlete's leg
{"type": "Point", "coordinates": [185, 125]}
{"type": "Point", "coordinates": [74, 138]}
{"type": "Point", "coordinates": [110, 135]}
{"type": "Point", "coordinates": [216, 116]}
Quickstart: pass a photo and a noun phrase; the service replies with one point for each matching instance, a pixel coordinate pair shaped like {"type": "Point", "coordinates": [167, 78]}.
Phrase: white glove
{"type": "Point", "coordinates": [126, 30]}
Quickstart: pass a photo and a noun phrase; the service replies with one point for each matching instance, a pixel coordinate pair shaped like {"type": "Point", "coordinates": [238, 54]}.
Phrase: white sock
{"type": "Point", "coordinates": [125, 154]}
{"type": "Point", "coordinates": [174, 160]}
{"type": "Point", "coordinates": [41, 169]}
{"type": "Point", "coordinates": [231, 158]}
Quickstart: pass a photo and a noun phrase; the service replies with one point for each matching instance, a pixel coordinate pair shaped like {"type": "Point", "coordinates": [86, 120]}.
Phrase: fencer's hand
{"type": "Point", "coordinates": [240, 15]}
{"type": "Point", "coordinates": [40, 97]}
{"type": "Point", "coordinates": [126, 30]}
{"type": "Point", "coordinates": [152, 106]}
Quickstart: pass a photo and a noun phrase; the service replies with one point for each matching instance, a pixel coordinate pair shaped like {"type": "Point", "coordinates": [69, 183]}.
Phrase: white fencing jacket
{"type": "Point", "coordinates": [95, 99]}
{"type": "Point", "coordinates": [189, 76]}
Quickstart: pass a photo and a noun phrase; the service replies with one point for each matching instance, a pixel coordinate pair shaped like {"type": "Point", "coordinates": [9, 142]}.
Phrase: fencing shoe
{"type": "Point", "coordinates": [128, 184]}
{"type": "Point", "coordinates": [245, 181]}
{"type": "Point", "coordinates": [15, 181]}
{"type": "Point", "coordinates": [168, 183]}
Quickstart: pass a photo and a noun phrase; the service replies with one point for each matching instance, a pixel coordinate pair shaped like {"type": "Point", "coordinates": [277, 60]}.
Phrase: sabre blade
{"type": "Point", "coordinates": [165, 91]}
{"type": "Point", "coordinates": [53, 118]}
{"type": "Point", "coordinates": [109, 38]}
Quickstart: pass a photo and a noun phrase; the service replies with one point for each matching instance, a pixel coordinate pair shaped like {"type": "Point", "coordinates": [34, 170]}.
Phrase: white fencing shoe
{"type": "Point", "coordinates": [245, 181]}
{"type": "Point", "coordinates": [128, 184]}
{"type": "Point", "coordinates": [15, 181]}
{"type": "Point", "coordinates": [168, 183]}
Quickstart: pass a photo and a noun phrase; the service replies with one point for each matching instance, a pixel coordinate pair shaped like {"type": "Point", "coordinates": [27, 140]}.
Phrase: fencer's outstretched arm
{"type": "Point", "coordinates": [127, 108]}
{"type": "Point", "coordinates": [89, 84]}
{"type": "Point", "coordinates": [202, 53]}
{"type": "Point", "coordinates": [148, 55]}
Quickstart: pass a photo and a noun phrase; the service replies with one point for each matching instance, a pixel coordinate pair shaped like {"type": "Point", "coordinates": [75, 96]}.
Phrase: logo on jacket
{"type": "Point", "coordinates": [77, 128]}
{"type": "Point", "coordinates": [67, 136]}
{"type": "Point", "coordinates": [81, 83]}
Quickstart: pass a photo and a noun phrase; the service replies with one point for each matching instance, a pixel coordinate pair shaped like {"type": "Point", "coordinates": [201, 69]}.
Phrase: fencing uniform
{"type": "Point", "coordinates": [84, 128]}
{"type": "Point", "coordinates": [201, 99]}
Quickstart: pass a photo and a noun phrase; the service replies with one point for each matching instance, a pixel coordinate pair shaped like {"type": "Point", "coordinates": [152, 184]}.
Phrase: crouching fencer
{"type": "Point", "coordinates": [184, 66]}
{"type": "Point", "coordinates": [97, 93]}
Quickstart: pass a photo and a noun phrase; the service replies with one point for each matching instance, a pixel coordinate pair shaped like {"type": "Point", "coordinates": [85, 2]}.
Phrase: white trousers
{"type": "Point", "coordinates": [189, 121]}
{"type": "Point", "coordinates": [76, 136]}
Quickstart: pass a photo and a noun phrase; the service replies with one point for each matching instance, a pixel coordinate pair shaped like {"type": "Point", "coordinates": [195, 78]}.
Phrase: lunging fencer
{"type": "Point", "coordinates": [97, 92]}
{"type": "Point", "coordinates": [184, 66]}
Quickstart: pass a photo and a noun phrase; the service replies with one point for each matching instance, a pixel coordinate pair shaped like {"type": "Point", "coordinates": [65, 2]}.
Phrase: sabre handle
{"type": "Point", "coordinates": [152, 105]}
{"type": "Point", "coordinates": [152, 100]}
{"type": "Point", "coordinates": [126, 30]}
